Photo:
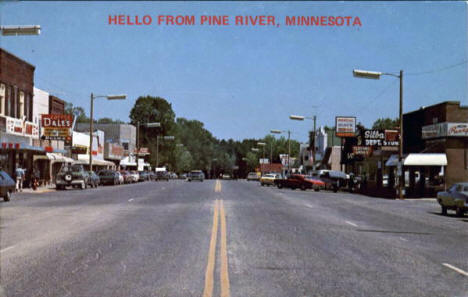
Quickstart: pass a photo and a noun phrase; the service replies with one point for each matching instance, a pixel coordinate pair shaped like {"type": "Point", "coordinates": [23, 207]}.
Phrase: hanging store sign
{"type": "Point", "coordinates": [383, 139]}
{"type": "Point", "coordinates": [345, 126]}
{"type": "Point", "coordinates": [56, 126]}
{"type": "Point", "coordinates": [445, 130]}
{"type": "Point", "coordinates": [362, 151]}
{"type": "Point", "coordinates": [79, 150]}
{"type": "Point", "coordinates": [19, 127]}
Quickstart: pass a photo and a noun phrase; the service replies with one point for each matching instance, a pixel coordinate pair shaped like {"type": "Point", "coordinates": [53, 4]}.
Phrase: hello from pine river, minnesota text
{"type": "Point", "coordinates": [238, 20]}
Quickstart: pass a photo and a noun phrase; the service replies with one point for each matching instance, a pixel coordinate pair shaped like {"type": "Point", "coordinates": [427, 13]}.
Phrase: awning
{"type": "Point", "coordinates": [426, 160]}
{"type": "Point", "coordinates": [419, 160]}
{"type": "Point", "coordinates": [126, 162]}
{"type": "Point", "coordinates": [54, 157]}
{"type": "Point", "coordinates": [84, 159]}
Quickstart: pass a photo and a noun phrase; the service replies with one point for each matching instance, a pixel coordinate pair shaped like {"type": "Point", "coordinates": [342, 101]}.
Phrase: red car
{"type": "Point", "coordinates": [300, 181]}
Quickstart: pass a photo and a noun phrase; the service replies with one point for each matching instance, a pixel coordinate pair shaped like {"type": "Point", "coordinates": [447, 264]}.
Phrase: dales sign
{"type": "Point", "coordinates": [56, 126]}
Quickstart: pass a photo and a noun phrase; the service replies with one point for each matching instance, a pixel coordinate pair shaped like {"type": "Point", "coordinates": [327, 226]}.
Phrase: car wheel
{"type": "Point", "coordinates": [444, 211]}
{"type": "Point", "coordinates": [7, 196]}
{"type": "Point", "coordinates": [279, 186]}
{"type": "Point", "coordinates": [83, 185]}
{"type": "Point", "coordinates": [460, 212]}
{"type": "Point", "coordinates": [303, 188]}
{"type": "Point", "coordinates": [317, 189]}
{"type": "Point", "coordinates": [262, 184]}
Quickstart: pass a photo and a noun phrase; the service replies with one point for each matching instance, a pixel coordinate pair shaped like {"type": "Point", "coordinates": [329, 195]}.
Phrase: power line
{"type": "Point", "coordinates": [438, 69]}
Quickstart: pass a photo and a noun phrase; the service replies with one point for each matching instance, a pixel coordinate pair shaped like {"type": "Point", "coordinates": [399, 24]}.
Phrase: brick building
{"type": "Point", "coordinates": [17, 128]}
{"type": "Point", "coordinates": [443, 129]}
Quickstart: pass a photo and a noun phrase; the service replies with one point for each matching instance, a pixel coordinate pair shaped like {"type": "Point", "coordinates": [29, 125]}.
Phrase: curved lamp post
{"type": "Point", "coordinates": [376, 75]}
{"type": "Point", "coordinates": [93, 97]}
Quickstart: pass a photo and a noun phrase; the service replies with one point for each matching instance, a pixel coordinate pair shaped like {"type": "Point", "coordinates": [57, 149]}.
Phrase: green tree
{"type": "Point", "coordinates": [76, 111]}
{"type": "Point", "coordinates": [150, 109]}
{"type": "Point", "coordinates": [386, 123]}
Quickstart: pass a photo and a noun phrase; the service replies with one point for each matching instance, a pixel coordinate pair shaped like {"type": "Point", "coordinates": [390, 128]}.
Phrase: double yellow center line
{"type": "Point", "coordinates": [218, 186]}
{"type": "Point", "coordinates": [218, 216]}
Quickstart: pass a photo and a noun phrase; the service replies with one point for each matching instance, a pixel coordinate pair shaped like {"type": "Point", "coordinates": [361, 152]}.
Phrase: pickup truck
{"type": "Point", "coordinates": [299, 181]}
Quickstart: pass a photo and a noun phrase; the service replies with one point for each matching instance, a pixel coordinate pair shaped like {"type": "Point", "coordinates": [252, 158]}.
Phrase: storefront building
{"type": "Point", "coordinates": [52, 108]}
{"type": "Point", "coordinates": [440, 130]}
{"type": "Point", "coordinates": [17, 129]}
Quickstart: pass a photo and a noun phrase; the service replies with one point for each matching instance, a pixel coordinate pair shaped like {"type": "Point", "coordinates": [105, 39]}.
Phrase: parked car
{"type": "Point", "coordinates": [7, 186]}
{"type": "Point", "coordinates": [121, 178]}
{"type": "Point", "coordinates": [455, 198]}
{"type": "Point", "coordinates": [252, 176]}
{"type": "Point", "coordinates": [143, 176]}
{"type": "Point", "coordinates": [72, 175]}
{"type": "Point", "coordinates": [135, 176]}
{"type": "Point", "coordinates": [269, 179]}
{"type": "Point", "coordinates": [93, 180]}
{"type": "Point", "coordinates": [196, 175]}
{"type": "Point", "coordinates": [108, 177]}
{"type": "Point", "coordinates": [152, 175]}
{"type": "Point", "coordinates": [333, 179]}
{"type": "Point", "coordinates": [299, 181]}
{"type": "Point", "coordinates": [162, 175]}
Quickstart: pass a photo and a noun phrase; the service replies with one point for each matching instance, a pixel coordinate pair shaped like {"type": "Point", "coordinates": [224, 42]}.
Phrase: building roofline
{"type": "Point", "coordinates": [17, 58]}
{"type": "Point", "coordinates": [448, 102]}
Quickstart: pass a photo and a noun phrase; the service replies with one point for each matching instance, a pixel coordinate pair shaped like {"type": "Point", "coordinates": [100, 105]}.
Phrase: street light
{"type": "Point", "coordinates": [148, 125]}
{"type": "Point", "coordinates": [376, 75]}
{"type": "Point", "coordinates": [168, 137]}
{"type": "Point", "coordinates": [301, 118]}
{"type": "Point", "coordinates": [289, 142]}
{"type": "Point", "coordinates": [109, 97]}
{"type": "Point", "coordinates": [20, 30]}
{"type": "Point", "coordinates": [262, 144]}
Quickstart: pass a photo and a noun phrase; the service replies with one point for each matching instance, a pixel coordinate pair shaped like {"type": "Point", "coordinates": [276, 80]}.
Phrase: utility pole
{"type": "Point", "coordinates": [91, 134]}
{"type": "Point", "coordinates": [313, 148]}
{"type": "Point", "coordinates": [400, 150]}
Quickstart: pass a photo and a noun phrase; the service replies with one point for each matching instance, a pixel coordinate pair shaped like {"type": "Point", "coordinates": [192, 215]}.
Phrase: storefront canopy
{"type": "Point", "coordinates": [54, 157]}
{"type": "Point", "coordinates": [125, 162]}
{"type": "Point", "coordinates": [96, 162]}
{"type": "Point", "coordinates": [419, 160]}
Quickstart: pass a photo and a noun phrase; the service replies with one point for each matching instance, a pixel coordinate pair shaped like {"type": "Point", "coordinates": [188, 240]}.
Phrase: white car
{"type": "Point", "coordinates": [121, 178]}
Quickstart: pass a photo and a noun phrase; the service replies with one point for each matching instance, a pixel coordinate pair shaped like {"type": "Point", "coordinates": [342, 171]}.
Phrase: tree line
{"type": "Point", "coordinates": [194, 147]}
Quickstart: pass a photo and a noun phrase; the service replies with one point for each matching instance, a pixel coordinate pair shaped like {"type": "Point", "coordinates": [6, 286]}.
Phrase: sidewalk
{"type": "Point", "coordinates": [39, 190]}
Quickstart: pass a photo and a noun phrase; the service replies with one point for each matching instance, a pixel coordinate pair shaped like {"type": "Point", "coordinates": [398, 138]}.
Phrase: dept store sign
{"type": "Point", "coordinates": [387, 140]}
{"type": "Point", "coordinates": [445, 130]}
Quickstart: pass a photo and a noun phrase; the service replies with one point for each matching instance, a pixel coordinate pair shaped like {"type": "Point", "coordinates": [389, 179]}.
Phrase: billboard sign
{"type": "Point", "coordinates": [345, 126]}
{"type": "Point", "coordinates": [445, 130]}
{"type": "Point", "coordinates": [56, 126]}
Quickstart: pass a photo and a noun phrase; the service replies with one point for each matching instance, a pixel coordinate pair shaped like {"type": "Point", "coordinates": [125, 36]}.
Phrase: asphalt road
{"type": "Point", "coordinates": [227, 238]}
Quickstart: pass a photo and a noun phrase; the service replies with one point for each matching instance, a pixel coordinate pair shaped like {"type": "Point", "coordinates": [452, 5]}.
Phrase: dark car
{"type": "Point", "coordinates": [72, 175]}
{"type": "Point", "coordinates": [93, 180]}
{"type": "Point", "coordinates": [152, 175]}
{"type": "Point", "coordinates": [162, 175]}
{"type": "Point", "coordinates": [109, 177]}
{"type": "Point", "coordinates": [455, 198]}
{"type": "Point", "coordinates": [299, 181]}
{"type": "Point", "coordinates": [196, 175]}
{"type": "Point", "coordinates": [7, 185]}
{"type": "Point", "coordinates": [333, 179]}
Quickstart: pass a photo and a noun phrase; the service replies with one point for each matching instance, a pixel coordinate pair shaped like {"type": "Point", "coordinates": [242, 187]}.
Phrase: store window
{"type": "Point", "coordinates": [8, 101]}
{"type": "Point", "coordinates": [21, 105]}
{"type": "Point", "coordinates": [2, 99]}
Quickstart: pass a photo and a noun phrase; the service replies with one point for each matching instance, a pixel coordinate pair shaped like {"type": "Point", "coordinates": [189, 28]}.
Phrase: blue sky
{"type": "Point", "coordinates": [243, 81]}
